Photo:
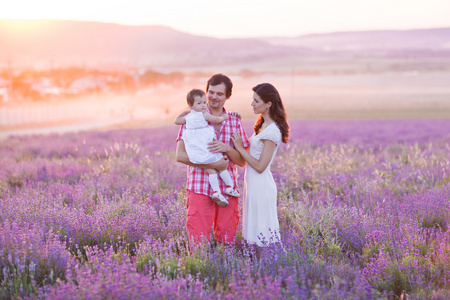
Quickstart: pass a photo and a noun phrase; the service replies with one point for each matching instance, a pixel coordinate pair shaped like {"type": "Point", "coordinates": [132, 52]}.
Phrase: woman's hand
{"type": "Point", "coordinates": [236, 114]}
{"type": "Point", "coordinates": [237, 140]}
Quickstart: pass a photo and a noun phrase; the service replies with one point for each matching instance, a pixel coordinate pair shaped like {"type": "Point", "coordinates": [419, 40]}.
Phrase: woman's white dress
{"type": "Point", "coordinates": [196, 137]}
{"type": "Point", "coordinates": [260, 193]}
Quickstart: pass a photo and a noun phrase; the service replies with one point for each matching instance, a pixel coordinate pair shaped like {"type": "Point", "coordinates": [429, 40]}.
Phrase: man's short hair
{"type": "Point", "coordinates": [218, 79]}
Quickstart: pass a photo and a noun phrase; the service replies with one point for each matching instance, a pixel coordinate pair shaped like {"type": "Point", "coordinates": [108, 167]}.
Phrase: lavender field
{"type": "Point", "coordinates": [363, 208]}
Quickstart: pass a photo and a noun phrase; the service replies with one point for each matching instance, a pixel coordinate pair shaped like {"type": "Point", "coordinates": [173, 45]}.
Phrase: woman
{"type": "Point", "coordinates": [260, 192]}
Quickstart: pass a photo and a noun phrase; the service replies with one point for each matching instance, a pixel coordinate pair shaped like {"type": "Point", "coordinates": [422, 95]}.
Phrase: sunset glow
{"type": "Point", "coordinates": [244, 18]}
{"type": "Point", "coordinates": [20, 27]}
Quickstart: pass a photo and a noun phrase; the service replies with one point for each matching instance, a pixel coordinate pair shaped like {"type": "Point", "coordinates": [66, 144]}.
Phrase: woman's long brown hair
{"type": "Point", "coordinates": [268, 93]}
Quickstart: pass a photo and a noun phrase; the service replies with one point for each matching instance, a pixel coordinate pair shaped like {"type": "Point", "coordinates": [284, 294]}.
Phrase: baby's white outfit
{"type": "Point", "coordinates": [196, 138]}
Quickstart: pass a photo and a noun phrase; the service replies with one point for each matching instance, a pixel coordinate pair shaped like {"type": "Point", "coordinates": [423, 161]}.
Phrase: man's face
{"type": "Point", "coordinates": [217, 96]}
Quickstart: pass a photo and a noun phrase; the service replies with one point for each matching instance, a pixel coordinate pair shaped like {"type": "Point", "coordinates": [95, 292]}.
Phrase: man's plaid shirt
{"type": "Point", "coordinates": [197, 178]}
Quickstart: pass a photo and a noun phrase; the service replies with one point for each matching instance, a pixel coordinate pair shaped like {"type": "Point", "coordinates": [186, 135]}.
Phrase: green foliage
{"type": "Point", "coordinates": [17, 280]}
{"type": "Point", "coordinates": [15, 181]}
{"type": "Point", "coordinates": [436, 221]}
{"type": "Point", "coordinates": [316, 221]}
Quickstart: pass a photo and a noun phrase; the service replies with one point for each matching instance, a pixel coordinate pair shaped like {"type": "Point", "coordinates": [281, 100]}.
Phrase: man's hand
{"type": "Point", "coordinates": [218, 147]}
{"type": "Point", "coordinates": [220, 165]}
{"type": "Point", "coordinates": [182, 157]}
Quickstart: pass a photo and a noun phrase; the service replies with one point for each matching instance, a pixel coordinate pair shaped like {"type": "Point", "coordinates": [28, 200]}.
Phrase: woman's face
{"type": "Point", "coordinates": [258, 104]}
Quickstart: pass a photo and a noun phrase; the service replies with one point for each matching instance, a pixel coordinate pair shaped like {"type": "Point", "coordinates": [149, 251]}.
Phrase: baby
{"type": "Point", "coordinates": [196, 138]}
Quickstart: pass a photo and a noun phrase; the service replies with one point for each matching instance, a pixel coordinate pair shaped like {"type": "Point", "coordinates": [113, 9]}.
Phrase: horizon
{"type": "Point", "coordinates": [20, 23]}
{"type": "Point", "coordinates": [250, 19]}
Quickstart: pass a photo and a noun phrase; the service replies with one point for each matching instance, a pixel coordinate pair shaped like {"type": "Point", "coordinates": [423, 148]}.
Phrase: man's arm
{"type": "Point", "coordinates": [183, 158]}
{"type": "Point", "coordinates": [233, 154]}
{"type": "Point", "coordinates": [236, 157]}
{"type": "Point", "coordinates": [218, 146]}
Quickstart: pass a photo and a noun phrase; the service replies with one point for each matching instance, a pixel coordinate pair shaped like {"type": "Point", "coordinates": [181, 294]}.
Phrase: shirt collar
{"type": "Point", "coordinates": [224, 110]}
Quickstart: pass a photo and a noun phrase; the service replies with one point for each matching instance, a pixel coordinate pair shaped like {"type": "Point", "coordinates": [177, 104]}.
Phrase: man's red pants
{"type": "Point", "coordinates": [203, 213]}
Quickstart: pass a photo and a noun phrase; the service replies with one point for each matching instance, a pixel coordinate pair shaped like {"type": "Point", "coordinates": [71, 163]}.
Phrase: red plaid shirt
{"type": "Point", "coordinates": [197, 178]}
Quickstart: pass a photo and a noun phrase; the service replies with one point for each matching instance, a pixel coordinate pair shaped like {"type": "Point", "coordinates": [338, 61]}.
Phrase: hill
{"type": "Point", "coordinates": [72, 42]}
{"type": "Point", "coordinates": [426, 40]}
{"type": "Point", "coordinates": [93, 43]}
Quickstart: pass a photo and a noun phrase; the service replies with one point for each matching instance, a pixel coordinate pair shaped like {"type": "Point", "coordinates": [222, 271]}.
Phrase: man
{"type": "Point", "coordinates": [202, 211]}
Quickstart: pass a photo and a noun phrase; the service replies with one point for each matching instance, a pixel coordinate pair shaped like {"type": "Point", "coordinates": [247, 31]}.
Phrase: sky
{"type": "Point", "coordinates": [243, 18]}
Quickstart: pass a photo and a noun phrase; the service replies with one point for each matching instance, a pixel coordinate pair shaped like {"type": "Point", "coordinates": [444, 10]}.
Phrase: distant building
{"type": "Point", "coordinates": [87, 84]}
{"type": "Point", "coordinates": [45, 87]}
{"type": "Point", "coordinates": [4, 90]}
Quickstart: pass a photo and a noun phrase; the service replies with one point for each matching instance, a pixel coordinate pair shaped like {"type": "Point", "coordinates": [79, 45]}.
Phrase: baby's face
{"type": "Point", "coordinates": [199, 104]}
